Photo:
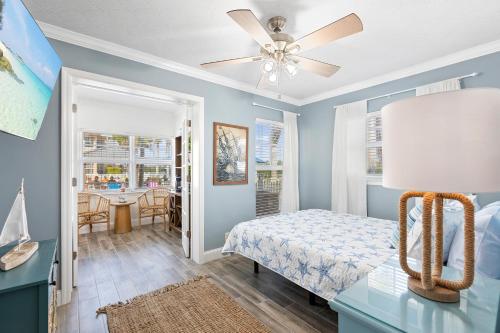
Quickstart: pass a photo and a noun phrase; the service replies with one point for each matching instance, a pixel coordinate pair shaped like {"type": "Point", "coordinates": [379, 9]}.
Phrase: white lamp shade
{"type": "Point", "coordinates": [444, 142]}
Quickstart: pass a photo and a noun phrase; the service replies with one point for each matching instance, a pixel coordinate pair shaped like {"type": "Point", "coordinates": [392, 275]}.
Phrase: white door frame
{"type": "Point", "coordinates": [72, 78]}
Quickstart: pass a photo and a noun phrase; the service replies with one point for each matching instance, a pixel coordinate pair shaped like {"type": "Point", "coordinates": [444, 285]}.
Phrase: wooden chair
{"type": "Point", "coordinates": [88, 216]}
{"type": "Point", "coordinates": [157, 207]}
{"type": "Point", "coordinates": [83, 209]}
{"type": "Point", "coordinates": [161, 198]}
{"type": "Point", "coordinates": [171, 211]}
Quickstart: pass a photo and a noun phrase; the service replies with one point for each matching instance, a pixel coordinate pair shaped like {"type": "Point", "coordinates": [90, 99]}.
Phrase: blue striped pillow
{"type": "Point", "coordinates": [453, 212]}
{"type": "Point", "coordinates": [411, 218]}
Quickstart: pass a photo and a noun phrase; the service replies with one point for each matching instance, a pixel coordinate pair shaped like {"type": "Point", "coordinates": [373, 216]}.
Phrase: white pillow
{"type": "Point", "coordinates": [453, 217]}
{"type": "Point", "coordinates": [496, 203]}
{"type": "Point", "coordinates": [487, 243]}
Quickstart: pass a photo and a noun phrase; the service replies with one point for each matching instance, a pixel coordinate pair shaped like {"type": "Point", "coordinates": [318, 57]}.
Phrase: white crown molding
{"type": "Point", "coordinates": [450, 59]}
{"type": "Point", "coordinates": [100, 45]}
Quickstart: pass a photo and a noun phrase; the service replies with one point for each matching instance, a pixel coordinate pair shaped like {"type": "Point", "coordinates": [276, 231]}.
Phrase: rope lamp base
{"type": "Point", "coordinates": [438, 294]}
{"type": "Point", "coordinates": [429, 283]}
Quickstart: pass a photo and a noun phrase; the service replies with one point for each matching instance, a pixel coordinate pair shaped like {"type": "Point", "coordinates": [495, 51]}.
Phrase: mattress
{"type": "Point", "coordinates": [319, 250]}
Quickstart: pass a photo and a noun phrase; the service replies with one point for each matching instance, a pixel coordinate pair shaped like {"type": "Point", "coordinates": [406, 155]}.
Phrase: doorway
{"type": "Point", "coordinates": [130, 173]}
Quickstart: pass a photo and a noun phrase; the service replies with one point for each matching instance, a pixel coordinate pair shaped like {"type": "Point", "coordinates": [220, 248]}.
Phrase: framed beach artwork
{"type": "Point", "coordinates": [29, 69]}
{"type": "Point", "coordinates": [230, 154]}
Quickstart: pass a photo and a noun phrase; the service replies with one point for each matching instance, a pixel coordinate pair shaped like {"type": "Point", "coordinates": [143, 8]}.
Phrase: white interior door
{"type": "Point", "coordinates": [75, 139]}
{"type": "Point", "coordinates": [186, 183]}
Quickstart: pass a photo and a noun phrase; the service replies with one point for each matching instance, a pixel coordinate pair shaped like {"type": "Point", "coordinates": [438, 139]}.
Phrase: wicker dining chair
{"type": "Point", "coordinates": [151, 208]}
{"type": "Point", "coordinates": [89, 216]}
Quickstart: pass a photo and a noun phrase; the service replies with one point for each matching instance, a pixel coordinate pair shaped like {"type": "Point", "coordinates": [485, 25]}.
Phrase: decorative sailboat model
{"type": "Point", "coordinates": [15, 229]}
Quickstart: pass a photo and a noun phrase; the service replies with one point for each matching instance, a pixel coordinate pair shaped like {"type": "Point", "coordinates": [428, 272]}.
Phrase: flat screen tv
{"type": "Point", "coordinates": [29, 68]}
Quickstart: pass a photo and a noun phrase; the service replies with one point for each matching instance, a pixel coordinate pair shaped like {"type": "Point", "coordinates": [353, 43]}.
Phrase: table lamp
{"type": "Point", "coordinates": [437, 146]}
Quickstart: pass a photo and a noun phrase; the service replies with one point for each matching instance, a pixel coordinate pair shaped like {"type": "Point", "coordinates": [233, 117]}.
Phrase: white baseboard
{"type": "Point", "coordinates": [59, 298]}
{"type": "Point", "coordinates": [212, 255]}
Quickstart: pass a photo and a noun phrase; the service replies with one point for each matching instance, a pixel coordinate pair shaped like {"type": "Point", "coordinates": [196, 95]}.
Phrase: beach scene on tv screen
{"type": "Point", "coordinates": [29, 68]}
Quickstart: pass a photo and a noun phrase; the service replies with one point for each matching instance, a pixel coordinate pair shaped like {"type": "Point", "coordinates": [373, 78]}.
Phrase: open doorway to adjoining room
{"type": "Point", "coordinates": [131, 178]}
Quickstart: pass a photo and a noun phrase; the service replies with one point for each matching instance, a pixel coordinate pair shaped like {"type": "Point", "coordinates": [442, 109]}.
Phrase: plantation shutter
{"type": "Point", "coordinates": [105, 148]}
{"type": "Point", "coordinates": [153, 162]}
{"type": "Point", "coordinates": [374, 143]}
{"type": "Point", "coordinates": [269, 143]}
{"type": "Point", "coordinates": [105, 161]}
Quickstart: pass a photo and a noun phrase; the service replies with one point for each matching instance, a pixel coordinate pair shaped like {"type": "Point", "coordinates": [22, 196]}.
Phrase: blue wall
{"type": "Point", "coordinates": [317, 123]}
{"type": "Point", "coordinates": [39, 161]}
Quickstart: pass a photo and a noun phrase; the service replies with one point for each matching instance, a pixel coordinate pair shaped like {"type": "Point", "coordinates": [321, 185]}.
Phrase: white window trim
{"type": "Point", "coordinates": [374, 180]}
{"type": "Point", "coordinates": [269, 121]}
{"type": "Point", "coordinates": [131, 167]}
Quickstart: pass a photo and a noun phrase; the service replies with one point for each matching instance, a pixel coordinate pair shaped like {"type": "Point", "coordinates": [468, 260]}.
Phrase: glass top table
{"type": "Point", "coordinates": [383, 299]}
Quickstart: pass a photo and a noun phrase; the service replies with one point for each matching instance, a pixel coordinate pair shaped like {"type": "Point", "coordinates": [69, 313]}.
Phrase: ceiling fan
{"type": "Point", "coordinates": [279, 50]}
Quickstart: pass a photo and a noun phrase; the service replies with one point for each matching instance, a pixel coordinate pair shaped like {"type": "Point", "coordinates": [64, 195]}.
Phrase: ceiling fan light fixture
{"type": "Point", "coordinates": [268, 66]}
{"type": "Point", "coordinates": [294, 49]}
{"type": "Point", "coordinates": [291, 70]}
{"type": "Point", "coordinates": [273, 77]}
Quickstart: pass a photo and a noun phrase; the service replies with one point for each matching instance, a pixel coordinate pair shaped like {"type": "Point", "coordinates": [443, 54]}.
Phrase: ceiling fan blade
{"type": "Point", "coordinates": [247, 20]}
{"type": "Point", "coordinates": [343, 27]}
{"type": "Point", "coordinates": [315, 66]}
{"type": "Point", "coordinates": [231, 61]}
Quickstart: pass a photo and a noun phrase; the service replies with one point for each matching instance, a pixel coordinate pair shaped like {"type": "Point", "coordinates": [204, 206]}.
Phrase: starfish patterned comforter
{"type": "Point", "coordinates": [319, 250]}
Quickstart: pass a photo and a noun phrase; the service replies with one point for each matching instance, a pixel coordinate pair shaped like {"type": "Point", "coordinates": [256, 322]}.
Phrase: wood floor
{"type": "Point", "coordinates": [118, 267]}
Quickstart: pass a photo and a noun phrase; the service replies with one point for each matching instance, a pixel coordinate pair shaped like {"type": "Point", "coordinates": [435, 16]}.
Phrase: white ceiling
{"type": "Point", "coordinates": [397, 33]}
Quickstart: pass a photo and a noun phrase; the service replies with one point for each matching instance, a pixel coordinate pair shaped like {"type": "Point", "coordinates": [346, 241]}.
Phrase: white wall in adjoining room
{"type": "Point", "coordinates": [115, 118]}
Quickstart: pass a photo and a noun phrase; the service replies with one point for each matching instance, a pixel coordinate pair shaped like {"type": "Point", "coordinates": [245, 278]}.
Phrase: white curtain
{"type": "Point", "coordinates": [290, 186]}
{"type": "Point", "coordinates": [349, 159]}
{"type": "Point", "coordinates": [442, 86]}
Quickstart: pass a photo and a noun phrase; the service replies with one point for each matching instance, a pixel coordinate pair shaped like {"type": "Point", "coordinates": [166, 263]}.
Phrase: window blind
{"type": "Point", "coordinates": [269, 144]}
{"type": "Point", "coordinates": [105, 147]}
{"type": "Point", "coordinates": [113, 162]}
{"type": "Point", "coordinates": [374, 143]}
{"type": "Point", "coordinates": [153, 161]}
{"type": "Point", "coordinates": [105, 161]}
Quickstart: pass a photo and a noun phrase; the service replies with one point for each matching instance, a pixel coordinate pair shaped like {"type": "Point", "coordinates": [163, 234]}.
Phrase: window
{"type": "Point", "coordinates": [269, 142]}
{"type": "Point", "coordinates": [153, 157]}
{"type": "Point", "coordinates": [105, 161]}
{"type": "Point", "coordinates": [374, 143]}
{"type": "Point", "coordinates": [113, 162]}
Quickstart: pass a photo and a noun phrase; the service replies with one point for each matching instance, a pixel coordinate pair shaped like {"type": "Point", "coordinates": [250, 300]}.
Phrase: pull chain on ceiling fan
{"type": "Point", "coordinates": [279, 50]}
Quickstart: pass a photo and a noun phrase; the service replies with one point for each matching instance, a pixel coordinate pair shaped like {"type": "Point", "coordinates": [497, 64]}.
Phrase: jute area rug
{"type": "Point", "coordinates": [193, 306]}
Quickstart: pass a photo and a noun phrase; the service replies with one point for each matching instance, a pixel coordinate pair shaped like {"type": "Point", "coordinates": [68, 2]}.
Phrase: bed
{"type": "Point", "coordinates": [321, 251]}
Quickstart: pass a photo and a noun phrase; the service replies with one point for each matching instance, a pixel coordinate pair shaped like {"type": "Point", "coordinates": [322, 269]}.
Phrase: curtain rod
{"type": "Point", "coordinates": [271, 108]}
{"type": "Point", "coordinates": [410, 89]}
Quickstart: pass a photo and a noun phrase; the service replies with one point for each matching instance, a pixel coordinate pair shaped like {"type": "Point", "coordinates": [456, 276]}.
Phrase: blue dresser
{"type": "Point", "coordinates": [381, 302]}
{"type": "Point", "coordinates": [27, 293]}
